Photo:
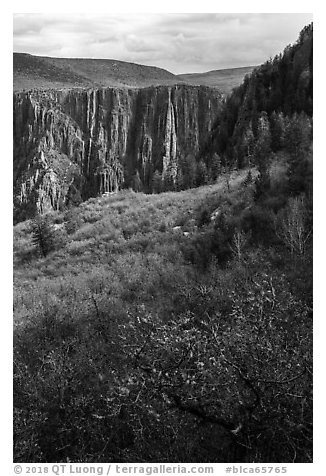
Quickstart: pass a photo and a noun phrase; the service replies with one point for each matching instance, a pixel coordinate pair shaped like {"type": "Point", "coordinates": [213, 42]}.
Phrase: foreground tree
{"type": "Point", "coordinates": [240, 374]}
{"type": "Point", "coordinates": [43, 234]}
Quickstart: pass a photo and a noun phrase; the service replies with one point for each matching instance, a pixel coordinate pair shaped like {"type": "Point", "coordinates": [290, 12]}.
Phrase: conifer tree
{"type": "Point", "coordinates": [202, 174]}
{"type": "Point", "coordinates": [189, 169]}
{"type": "Point", "coordinates": [157, 182]}
{"type": "Point", "coordinates": [278, 125]}
{"type": "Point", "coordinates": [216, 167]}
{"type": "Point", "coordinates": [43, 234]}
{"type": "Point", "coordinates": [137, 183]}
{"type": "Point", "coordinates": [248, 143]}
{"type": "Point", "coordinates": [180, 180]}
{"type": "Point", "coordinates": [298, 142]}
{"type": "Point", "coordinates": [262, 153]}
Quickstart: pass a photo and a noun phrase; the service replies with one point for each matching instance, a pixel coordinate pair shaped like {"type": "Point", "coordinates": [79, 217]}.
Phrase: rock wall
{"type": "Point", "coordinates": [70, 145]}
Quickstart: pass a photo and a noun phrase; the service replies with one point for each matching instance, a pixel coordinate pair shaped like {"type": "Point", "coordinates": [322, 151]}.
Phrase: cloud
{"type": "Point", "coordinates": [107, 39]}
{"type": "Point", "coordinates": [137, 44]}
{"type": "Point", "coordinates": [184, 42]}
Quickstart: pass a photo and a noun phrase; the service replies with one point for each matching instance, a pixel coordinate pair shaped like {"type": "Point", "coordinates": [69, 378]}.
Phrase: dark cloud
{"type": "Point", "coordinates": [184, 42]}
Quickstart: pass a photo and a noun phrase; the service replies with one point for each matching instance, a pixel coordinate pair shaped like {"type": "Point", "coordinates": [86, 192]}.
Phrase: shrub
{"type": "Point", "coordinates": [248, 180]}
{"type": "Point", "coordinates": [204, 217]}
{"type": "Point", "coordinates": [73, 221]}
{"type": "Point", "coordinates": [162, 227]}
{"type": "Point", "coordinates": [260, 223]}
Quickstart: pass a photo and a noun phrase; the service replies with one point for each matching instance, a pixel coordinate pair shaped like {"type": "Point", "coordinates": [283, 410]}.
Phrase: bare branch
{"type": "Point", "coordinates": [249, 384]}
{"type": "Point", "coordinates": [283, 382]}
{"type": "Point", "coordinates": [199, 412]}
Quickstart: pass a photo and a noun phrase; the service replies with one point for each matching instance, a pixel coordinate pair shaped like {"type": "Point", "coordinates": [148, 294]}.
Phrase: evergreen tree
{"type": "Point", "coordinates": [180, 180]}
{"type": "Point", "coordinates": [248, 144]}
{"type": "Point", "coordinates": [278, 125]}
{"type": "Point", "coordinates": [43, 234]}
{"type": "Point", "coordinates": [168, 183]}
{"type": "Point", "coordinates": [137, 183]}
{"type": "Point", "coordinates": [202, 174]}
{"type": "Point", "coordinates": [215, 167]}
{"type": "Point", "coordinates": [298, 140]}
{"type": "Point", "coordinates": [189, 171]}
{"type": "Point", "coordinates": [248, 179]}
{"type": "Point", "coordinates": [157, 182]}
{"type": "Point", "coordinates": [262, 153]}
{"type": "Point", "coordinates": [262, 147]}
{"type": "Point", "coordinates": [298, 136]}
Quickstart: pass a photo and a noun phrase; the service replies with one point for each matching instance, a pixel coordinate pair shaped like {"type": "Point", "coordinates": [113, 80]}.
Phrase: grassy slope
{"type": "Point", "coordinates": [115, 224]}
{"type": "Point", "coordinates": [45, 72]}
{"type": "Point", "coordinates": [224, 79]}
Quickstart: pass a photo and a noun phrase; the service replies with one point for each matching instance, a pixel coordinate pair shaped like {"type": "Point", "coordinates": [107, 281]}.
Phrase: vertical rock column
{"type": "Point", "coordinates": [170, 142]}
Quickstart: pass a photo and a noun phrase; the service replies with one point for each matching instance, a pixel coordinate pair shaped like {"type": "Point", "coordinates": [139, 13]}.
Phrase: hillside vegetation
{"type": "Point", "coordinates": [172, 327]}
{"type": "Point", "coordinates": [278, 92]}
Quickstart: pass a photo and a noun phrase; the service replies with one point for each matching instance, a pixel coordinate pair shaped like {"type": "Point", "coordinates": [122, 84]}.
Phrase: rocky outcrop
{"type": "Point", "coordinates": [70, 145]}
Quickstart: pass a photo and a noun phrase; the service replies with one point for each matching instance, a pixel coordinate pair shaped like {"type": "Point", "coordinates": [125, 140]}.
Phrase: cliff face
{"type": "Point", "coordinates": [70, 145]}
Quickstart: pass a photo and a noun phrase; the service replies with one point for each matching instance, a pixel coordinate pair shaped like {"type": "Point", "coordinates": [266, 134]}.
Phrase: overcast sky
{"type": "Point", "coordinates": [180, 43]}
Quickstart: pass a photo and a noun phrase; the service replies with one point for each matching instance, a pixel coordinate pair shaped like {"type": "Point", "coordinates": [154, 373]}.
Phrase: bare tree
{"type": "Point", "coordinates": [291, 228]}
{"type": "Point", "coordinates": [239, 241]}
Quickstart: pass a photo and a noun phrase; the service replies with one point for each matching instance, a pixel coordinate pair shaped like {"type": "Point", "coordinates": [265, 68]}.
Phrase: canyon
{"type": "Point", "coordinates": [71, 144]}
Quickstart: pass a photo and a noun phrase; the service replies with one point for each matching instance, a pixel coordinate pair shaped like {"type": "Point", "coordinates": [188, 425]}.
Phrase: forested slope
{"type": "Point", "coordinates": [280, 90]}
